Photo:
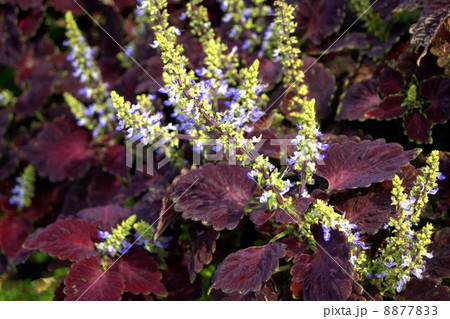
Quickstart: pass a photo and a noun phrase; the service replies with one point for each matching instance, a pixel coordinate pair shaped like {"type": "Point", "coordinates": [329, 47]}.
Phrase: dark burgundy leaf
{"type": "Point", "coordinates": [13, 232]}
{"type": "Point", "coordinates": [68, 5]}
{"type": "Point", "coordinates": [371, 209]}
{"type": "Point", "coordinates": [438, 266]}
{"type": "Point", "coordinates": [294, 247]}
{"type": "Point", "coordinates": [105, 217]}
{"type": "Point", "coordinates": [425, 290]}
{"type": "Point", "coordinates": [321, 18]}
{"type": "Point", "coordinates": [390, 82]}
{"type": "Point", "coordinates": [75, 198]}
{"type": "Point", "coordinates": [248, 269]}
{"type": "Point", "coordinates": [260, 216]}
{"type": "Point", "coordinates": [167, 214]}
{"type": "Point", "coordinates": [40, 90]}
{"type": "Point", "coordinates": [140, 273]}
{"type": "Point", "coordinates": [444, 186]}
{"type": "Point", "coordinates": [326, 275]}
{"type": "Point", "coordinates": [321, 85]}
{"type": "Point", "coordinates": [268, 292]}
{"type": "Point", "coordinates": [88, 282]}
{"type": "Point", "coordinates": [176, 280]}
{"type": "Point", "coordinates": [140, 182]}
{"type": "Point", "coordinates": [349, 41]}
{"type": "Point", "coordinates": [31, 22]}
{"type": "Point", "coordinates": [5, 117]}
{"type": "Point", "coordinates": [390, 108]}
{"type": "Point", "coordinates": [67, 238]}
{"type": "Point", "coordinates": [60, 151]}
{"type": "Point", "coordinates": [437, 89]}
{"type": "Point", "coordinates": [215, 194]}
{"type": "Point", "coordinates": [361, 98]}
{"type": "Point", "coordinates": [8, 161]}
{"type": "Point", "coordinates": [150, 206]}
{"type": "Point", "coordinates": [203, 245]}
{"type": "Point", "coordinates": [102, 189]}
{"type": "Point", "coordinates": [418, 128]}
{"type": "Point", "coordinates": [372, 162]}
{"type": "Point", "coordinates": [114, 160]}
{"type": "Point", "coordinates": [10, 42]}
{"type": "Point", "coordinates": [378, 48]}
{"type": "Point", "coordinates": [26, 4]}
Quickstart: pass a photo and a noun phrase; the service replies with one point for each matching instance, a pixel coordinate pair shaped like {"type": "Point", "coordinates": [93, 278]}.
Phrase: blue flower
{"type": "Point", "coordinates": [111, 251]}
{"type": "Point", "coordinates": [252, 174]}
{"type": "Point", "coordinates": [201, 71]}
{"type": "Point", "coordinates": [382, 275]}
{"type": "Point", "coordinates": [297, 140]}
{"type": "Point", "coordinates": [434, 191]}
{"type": "Point", "coordinates": [232, 33]}
{"type": "Point", "coordinates": [165, 90]}
{"type": "Point", "coordinates": [441, 176]}
{"type": "Point", "coordinates": [417, 272]}
{"type": "Point", "coordinates": [304, 193]}
{"type": "Point", "coordinates": [264, 197]}
{"type": "Point", "coordinates": [125, 247]}
{"type": "Point", "coordinates": [391, 263]}
{"type": "Point", "coordinates": [163, 242]}
{"type": "Point", "coordinates": [103, 234]}
{"type": "Point", "coordinates": [182, 16]}
{"type": "Point", "coordinates": [246, 45]}
{"type": "Point", "coordinates": [326, 233]}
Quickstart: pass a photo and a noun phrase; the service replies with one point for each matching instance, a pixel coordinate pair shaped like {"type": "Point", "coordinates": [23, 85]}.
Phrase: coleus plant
{"type": "Point", "coordinates": [301, 225]}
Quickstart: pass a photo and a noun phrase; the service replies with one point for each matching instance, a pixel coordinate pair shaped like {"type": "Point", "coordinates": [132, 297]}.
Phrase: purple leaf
{"type": "Point", "coordinates": [105, 217]}
{"type": "Point", "coordinates": [418, 128]}
{"type": "Point", "coordinates": [372, 162]}
{"type": "Point", "coordinates": [321, 18]}
{"type": "Point", "coordinates": [60, 151]}
{"type": "Point", "coordinates": [248, 269]}
{"type": "Point", "coordinates": [361, 98]}
{"type": "Point", "coordinates": [67, 238]}
{"type": "Point", "coordinates": [214, 194]}
{"type": "Point", "coordinates": [140, 273]}
{"type": "Point", "coordinates": [326, 275]}
{"type": "Point", "coordinates": [203, 245]}
{"type": "Point", "coordinates": [88, 282]}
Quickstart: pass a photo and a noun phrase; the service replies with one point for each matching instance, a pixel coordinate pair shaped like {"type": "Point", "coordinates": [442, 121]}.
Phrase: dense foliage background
{"type": "Point", "coordinates": [384, 77]}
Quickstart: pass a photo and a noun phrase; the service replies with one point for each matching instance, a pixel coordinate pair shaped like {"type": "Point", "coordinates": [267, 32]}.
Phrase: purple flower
{"type": "Point", "coordinates": [103, 234]}
{"type": "Point", "coordinates": [265, 196]}
{"type": "Point", "coordinates": [165, 90]}
{"type": "Point", "coordinates": [322, 147]}
{"type": "Point", "coordinates": [163, 242]}
{"type": "Point", "coordinates": [434, 191]}
{"type": "Point", "coordinates": [252, 174]}
{"type": "Point", "coordinates": [125, 247]}
{"type": "Point", "coordinates": [441, 176]}
{"type": "Point", "coordinates": [382, 275]}
{"type": "Point", "coordinates": [391, 263]}
{"type": "Point", "coordinates": [111, 250]}
{"type": "Point", "coordinates": [326, 233]}
{"type": "Point", "coordinates": [304, 193]}
{"type": "Point", "coordinates": [201, 71]}
{"type": "Point", "coordinates": [182, 16]}
{"type": "Point", "coordinates": [320, 157]}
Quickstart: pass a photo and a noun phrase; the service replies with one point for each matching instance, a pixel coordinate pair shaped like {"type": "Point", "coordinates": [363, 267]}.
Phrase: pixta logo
{"type": "Point", "coordinates": [206, 150]}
